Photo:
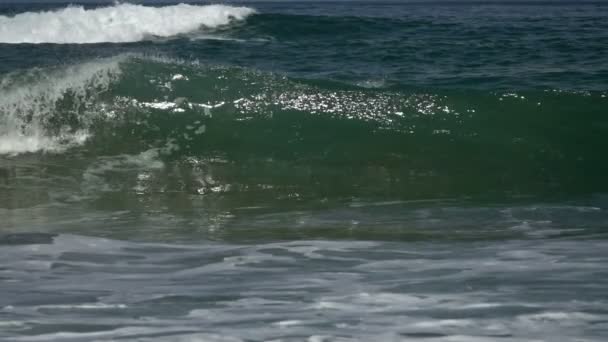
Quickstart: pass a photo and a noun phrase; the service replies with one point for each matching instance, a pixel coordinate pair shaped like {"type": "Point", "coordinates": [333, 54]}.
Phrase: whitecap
{"type": "Point", "coordinates": [121, 23]}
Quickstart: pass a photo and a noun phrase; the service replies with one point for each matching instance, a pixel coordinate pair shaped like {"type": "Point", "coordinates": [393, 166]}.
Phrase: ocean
{"type": "Point", "coordinates": [304, 171]}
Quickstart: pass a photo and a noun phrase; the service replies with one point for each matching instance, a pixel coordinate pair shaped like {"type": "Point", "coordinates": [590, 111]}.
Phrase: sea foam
{"type": "Point", "coordinates": [121, 23]}
{"type": "Point", "coordinates": [31, 101]}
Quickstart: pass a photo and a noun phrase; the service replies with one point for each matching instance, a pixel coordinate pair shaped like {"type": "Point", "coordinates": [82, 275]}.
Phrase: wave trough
{"type": "Point", "coordinates": [122, 23]}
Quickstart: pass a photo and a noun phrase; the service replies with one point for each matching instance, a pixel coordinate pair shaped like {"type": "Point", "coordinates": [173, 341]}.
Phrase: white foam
{"type": "Point", "coordinates": [17, 143]}
{"type": "Point", "coordinates": [163, 105]}
{"type": "Point", "coordinates": [120, 23]}
{"type": "Point", "coordinates": [288, 323]}
{"type": "Point", "coordinates": [90, 306]}
{"type": "Point", "coordinates": [31, 99]}
{"type": "Point", "coordinates": [562, 316]}
{"type": "Point", "coordinates": [178, 77]}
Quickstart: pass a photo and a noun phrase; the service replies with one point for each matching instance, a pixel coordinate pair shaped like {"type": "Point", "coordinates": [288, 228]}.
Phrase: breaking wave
{"type": "Point", "coordinates": [179, 110]}
{"type": "Point", "coordinates": [121, 23]}
{"type": "Point", "coordinates": [51, 110]}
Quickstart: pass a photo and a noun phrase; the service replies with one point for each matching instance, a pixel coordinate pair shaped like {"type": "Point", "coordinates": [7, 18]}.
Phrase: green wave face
{"type": "Point", "coordinates": [261, 137]}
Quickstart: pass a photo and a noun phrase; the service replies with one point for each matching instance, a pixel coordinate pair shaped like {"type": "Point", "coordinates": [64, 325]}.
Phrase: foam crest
{"type": "Point", "coordinates": [121, 23]}
{"type": "Point", "coordinates": [51, 110]}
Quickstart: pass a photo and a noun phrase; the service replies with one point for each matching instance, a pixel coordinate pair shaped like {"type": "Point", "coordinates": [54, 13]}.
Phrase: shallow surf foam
{"type": "Point", "coordinates": [121, 23]}
{"type": "Point", "coordinates": [313, 290]}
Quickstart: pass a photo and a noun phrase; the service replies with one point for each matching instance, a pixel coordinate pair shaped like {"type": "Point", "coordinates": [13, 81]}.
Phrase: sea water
{"type": "Point", "coordinates": [304, 171]}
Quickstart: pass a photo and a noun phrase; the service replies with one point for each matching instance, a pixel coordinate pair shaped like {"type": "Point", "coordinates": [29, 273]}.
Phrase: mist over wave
{"type": "Point", "coordinates": [121, 23]}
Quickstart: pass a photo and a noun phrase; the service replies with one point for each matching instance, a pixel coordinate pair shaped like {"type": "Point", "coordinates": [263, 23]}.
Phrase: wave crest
{"type": "Point", "coordinates": [51, 110]}
{"type": "Point", "coordinates": [121, 23]}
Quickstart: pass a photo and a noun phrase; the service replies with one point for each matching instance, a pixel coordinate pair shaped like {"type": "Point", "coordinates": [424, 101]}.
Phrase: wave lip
{"type": "Point", "coordinates": [121, 23]}
{"type": "Point", "coordinates": [52, 110]}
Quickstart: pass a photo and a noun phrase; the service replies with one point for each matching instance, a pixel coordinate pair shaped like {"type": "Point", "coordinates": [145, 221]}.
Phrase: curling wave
{"type": "Point", "coordinates": [121, 23]}
{"type": "Point", "coordinates": [51, 110]}
{"type": "Point", "coordinates": [414, 144]}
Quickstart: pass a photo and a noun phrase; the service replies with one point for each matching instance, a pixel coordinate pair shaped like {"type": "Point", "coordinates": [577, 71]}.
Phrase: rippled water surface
{"type": "Point", "coordinates": [83, 289]}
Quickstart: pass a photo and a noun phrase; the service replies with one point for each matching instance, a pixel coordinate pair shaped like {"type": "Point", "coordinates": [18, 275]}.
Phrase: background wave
{"type": "Point", "coordinates": [120, 23]}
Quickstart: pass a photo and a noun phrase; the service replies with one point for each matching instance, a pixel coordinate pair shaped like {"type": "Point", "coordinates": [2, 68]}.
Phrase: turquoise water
{"type": "Point", "coordinates": [321, 171]}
